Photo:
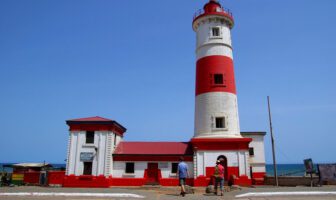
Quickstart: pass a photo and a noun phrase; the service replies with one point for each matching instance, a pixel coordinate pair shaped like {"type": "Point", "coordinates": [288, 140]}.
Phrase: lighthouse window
{"type": "Point", "coordinates": [129, 168]}
{"type": "Point", "coordinates": [89, 137]}
{"type": "Point", "coordinates": [220, 122]}
{"type": "Point", "coordinates": [215, 31]}
{"type": "Point", "coordinates": [218, 78]}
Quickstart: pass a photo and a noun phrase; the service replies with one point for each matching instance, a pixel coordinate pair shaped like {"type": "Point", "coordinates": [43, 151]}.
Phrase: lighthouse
{"type": "Point", "coordinates": [216, 127]}
{"type": "Point", "coordinates": [216, 109]}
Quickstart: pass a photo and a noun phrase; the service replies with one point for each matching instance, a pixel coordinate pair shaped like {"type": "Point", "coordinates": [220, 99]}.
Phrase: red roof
{"type": "Point", "coordinates": [154, 148]}
{"type": "Point", "coordinates": [95, 124]}
{"type": "Point", "coordinates": [90, 119]}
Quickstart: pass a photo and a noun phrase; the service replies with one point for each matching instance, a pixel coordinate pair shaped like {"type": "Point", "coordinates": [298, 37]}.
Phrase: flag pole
{"type": "Point", "coordinates": [272, 139]}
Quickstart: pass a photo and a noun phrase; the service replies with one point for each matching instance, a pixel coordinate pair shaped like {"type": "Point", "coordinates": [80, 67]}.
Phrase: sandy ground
{"type": "Point", "coordinates": [165, 193]}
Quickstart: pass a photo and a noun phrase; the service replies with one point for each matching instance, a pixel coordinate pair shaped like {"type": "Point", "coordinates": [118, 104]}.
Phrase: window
{"type": "Point", "coordinates": [220, 122]}
{"type": "Point", "coordinates": [87, 168]}
{"type": "Point", "coordinates": [89, 137]}
{"type": "Point", "coordinates": [129, 168]}
{"type": "Point", "coordinates": [115, 140]}
{"type": "Point", "coordinates": [218, 78]}
{"type": "Point", "coordinates": [174, 168]}
{"type": "Point", "coordinates": [251, 151]}
{"type": "Point", "coordinates": [215, 32]}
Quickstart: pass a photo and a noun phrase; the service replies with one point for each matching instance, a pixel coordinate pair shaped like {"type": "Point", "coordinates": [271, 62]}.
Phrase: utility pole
{"type": "Point", "coordinates": [272, 139]}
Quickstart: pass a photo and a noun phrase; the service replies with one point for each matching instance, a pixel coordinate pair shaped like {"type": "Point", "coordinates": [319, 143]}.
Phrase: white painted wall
{"type": "Point", "coordinates": [258, 167]}
{"type": "Point", "coordinates": [166, 172]}
{"type": "Point", "coordinates": [101, 148]}
{"type": "Point", "coordinates": [139, 169]}
{"type": "Point", "coordinates": [244, 167]}
{"type": "Point", "coordinates": [120, 166]}
{"type": "Point", "coordinates": [206, 44]}
{"type": "Point", "coordinates": [234, 159]}
{"type": "Point", "coordinates": [258, 160]}
{"type": "Point", "coordinates": [212, 104]}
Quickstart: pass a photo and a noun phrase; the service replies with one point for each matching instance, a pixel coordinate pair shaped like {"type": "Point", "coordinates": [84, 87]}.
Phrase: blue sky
{"type": "Point", "coordinates": [133, 61]}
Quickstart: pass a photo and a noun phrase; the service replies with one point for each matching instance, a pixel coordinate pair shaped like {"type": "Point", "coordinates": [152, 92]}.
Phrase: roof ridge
{"type": "Point", "coordinates": [93, 118]}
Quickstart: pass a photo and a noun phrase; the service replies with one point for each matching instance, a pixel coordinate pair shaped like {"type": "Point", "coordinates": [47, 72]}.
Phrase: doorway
{"type": "Point", "coordinates": [153, 174]}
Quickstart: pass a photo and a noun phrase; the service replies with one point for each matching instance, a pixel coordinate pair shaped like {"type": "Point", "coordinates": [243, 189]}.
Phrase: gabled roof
{"type": "Point", "coordinates": [95, 124]}
{"type": "Point", "coordinates": [91, 119]}
{"type": "Point", "coordinates": [154, 148]}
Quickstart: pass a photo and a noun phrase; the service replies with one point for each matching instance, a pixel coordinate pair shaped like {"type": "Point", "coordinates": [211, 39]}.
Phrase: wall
{"type": "Point", "coordinates": [31, 178]}
{"type": "Point", "coordinates": [257, 161]}
{"type": "Point", "coordinates": [210, 105]}
{"type": "Point", "coordinates": [101, 148]}
{"type": "Point", "coordinates": [236, 159]}
{"type": "Point", "coordinates": [207, 46]}
{"type": "Point", "coordinates": [119, 170]}
{"type": "Point", "coordinates": [140, 167]}
{"type": "Point", "coordinates": [291, 180]}
{"type": "Point", "coordinates": [55, 178]}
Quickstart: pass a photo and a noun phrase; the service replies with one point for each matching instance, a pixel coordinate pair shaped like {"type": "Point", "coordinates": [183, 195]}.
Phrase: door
{"type": "Point", "coordinates": [87, 168]}
{"type": "Point", "coordinates": [152, 173]}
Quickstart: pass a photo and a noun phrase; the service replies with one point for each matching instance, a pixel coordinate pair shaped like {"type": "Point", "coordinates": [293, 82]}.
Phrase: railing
{"type": "Point", "coordinates": [218, 10]}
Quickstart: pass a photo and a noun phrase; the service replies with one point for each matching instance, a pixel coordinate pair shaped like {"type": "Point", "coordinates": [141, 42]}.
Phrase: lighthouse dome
{"type": "Point", "coordinates": [212, 6]}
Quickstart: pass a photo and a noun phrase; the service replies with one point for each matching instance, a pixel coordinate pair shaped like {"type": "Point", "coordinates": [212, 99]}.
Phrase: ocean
{"type": "Point", "coordinates": [282, 169]}
{"type": "Point", "coordinates": [287, 169]}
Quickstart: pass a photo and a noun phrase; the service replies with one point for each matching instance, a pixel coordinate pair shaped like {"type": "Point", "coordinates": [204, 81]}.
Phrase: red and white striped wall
{"type": "Point", "coordinates": [214, 57]}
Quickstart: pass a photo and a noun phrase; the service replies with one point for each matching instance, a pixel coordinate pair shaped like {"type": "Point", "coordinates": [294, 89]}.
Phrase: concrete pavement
{"type": "Point", "coordinates": [170, 193]}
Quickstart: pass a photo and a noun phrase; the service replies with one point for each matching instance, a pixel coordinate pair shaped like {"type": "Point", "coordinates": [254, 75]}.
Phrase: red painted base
{"type": "Point", "coordinates": [242, 181]}
{"type": "Point", "coordinates": [127, 181]}
{"type": "Point", "coordinates": [56, 177]}
{"type": "Point", "coordinates": [104, 182]}
{"type": "Point", "coordinates": [86, 181]}
{"type": "Point", "coordinates": [258, 178]}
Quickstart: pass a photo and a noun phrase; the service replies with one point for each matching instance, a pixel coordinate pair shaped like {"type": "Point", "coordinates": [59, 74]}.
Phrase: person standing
{"type": "Point", "coordinates": [182, 171]}
{"type": "Point", "coordinates": [219, 177]}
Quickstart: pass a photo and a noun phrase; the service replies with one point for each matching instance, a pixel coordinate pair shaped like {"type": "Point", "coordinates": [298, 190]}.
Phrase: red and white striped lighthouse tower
{"type": "Point", "coordinates": [217, 133]}
{"type": "Point", "coordinates": [216, 110]}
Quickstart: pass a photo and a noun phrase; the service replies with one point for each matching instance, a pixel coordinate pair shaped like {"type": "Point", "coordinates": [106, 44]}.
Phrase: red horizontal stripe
{"type": "Point", "coordinates": [207, 67]}
{"type": "Point", "coordinates": [97, 127]}
{"type": "Point", "coordinates": [221, 143]}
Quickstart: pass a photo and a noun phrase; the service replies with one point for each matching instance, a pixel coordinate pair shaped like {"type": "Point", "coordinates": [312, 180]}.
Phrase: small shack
{"type": "Point", "coordinates": [29, 173]}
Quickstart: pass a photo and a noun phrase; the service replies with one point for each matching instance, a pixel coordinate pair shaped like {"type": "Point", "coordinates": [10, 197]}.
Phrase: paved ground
{"type": "Point", "coordinates": [165, 193]}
